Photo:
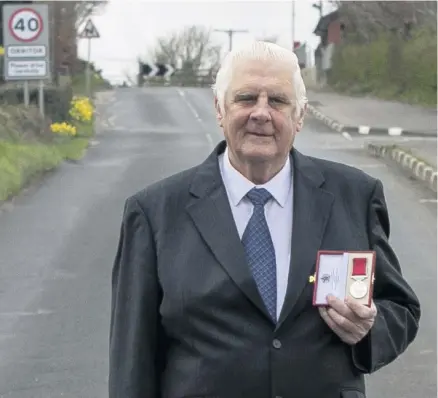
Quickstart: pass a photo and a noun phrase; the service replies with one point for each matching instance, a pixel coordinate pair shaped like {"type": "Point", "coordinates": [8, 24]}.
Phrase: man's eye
{"type": "Point", "coordinates": [246, 98]}
{"type": "Point", "coordinates": [278, 100]}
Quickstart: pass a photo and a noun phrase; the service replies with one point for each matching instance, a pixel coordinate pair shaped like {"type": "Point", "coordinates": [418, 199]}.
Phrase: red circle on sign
{"type": "Point", "coordinates": [37, 16]}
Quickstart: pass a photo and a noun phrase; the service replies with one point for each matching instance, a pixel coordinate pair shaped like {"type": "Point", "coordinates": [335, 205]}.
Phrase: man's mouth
{"type": "Point", "coordinates": [260, 133]}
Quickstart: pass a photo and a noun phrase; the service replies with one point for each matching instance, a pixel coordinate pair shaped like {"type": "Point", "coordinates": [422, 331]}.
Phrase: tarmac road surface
{"type": "Point", "coordinates": [58, 241]}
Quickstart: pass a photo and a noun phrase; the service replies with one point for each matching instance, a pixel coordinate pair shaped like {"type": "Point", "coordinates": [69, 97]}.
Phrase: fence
{"type": "Point", "coordinates": [181, 78]}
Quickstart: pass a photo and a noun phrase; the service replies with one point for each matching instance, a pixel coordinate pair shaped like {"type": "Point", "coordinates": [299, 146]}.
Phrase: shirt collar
{"type": "Point", "coordinates": [238, 185]}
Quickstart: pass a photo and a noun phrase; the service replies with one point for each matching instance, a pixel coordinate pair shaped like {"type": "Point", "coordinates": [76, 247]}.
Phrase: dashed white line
{"type": "Point", "coordinates": [195, 113]}
{"type": "Point", "coordinates": [209, 139]}
{"type": "Point", "coordinates": [192, 109]}
{"type": "Point", "coordinates": [428, 201]}
{"type": "Point", "coordinates": [26, 313]}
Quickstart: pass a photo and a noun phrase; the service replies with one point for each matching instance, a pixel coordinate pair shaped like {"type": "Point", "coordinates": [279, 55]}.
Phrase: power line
{"type": "Point", "coordinates": [230, 33]}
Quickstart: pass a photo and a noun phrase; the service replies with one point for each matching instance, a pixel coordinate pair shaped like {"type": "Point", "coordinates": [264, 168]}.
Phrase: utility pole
{"type": "Point", "coordinates": [293, 25]}
{"type": "Point", "coordinates": [230, 33]}
{"type": "Point", "coordinates": [319, 7]}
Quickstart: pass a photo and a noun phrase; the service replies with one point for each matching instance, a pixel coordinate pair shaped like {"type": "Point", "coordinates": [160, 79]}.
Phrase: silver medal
{"type": "Point", "coordinates": [358, 289]}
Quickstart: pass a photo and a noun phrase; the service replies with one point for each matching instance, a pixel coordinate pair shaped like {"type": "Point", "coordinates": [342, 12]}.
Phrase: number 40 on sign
{"type": "Point", "coordinates": [25, 25]}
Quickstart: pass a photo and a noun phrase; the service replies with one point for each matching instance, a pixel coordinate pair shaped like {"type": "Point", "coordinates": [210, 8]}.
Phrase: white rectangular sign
{"type": "Point", "coordinates": [27, 69]}
{"type": "Point", "coordinates": [26, 51]}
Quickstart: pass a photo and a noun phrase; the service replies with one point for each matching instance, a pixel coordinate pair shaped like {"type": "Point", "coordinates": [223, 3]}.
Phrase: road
{"type": "Point", "coordinates": [58, 241]}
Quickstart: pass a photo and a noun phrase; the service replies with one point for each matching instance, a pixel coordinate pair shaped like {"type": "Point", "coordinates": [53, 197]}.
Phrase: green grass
{"type": "Point", "coordinates": [389, 67]}
{"type": "Point", "coordinates": [21, 162]}
{"type": "Point", "coordinates": [96, 84]}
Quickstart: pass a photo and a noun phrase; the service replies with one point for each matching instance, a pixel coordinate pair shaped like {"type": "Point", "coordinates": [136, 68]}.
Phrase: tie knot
{"type": "Point", "coordinates": [258, 196]}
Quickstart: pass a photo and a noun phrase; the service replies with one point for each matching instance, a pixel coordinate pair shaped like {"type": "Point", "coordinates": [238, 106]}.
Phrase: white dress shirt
{"type": "Point", "coordinates": [278, 212]}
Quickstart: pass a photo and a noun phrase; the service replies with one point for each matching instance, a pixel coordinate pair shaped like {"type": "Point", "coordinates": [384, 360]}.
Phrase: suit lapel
{"type": "Point", "coordinates": [312, 207]}
{"type": "Point", "coordinates": [211, 213]}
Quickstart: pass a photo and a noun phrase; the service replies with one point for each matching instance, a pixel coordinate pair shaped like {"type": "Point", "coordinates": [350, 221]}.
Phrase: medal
{"type": "Point", "coordinates": [358, 289]}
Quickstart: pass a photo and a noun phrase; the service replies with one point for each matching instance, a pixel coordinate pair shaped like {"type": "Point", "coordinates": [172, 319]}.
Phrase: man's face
{"type": "Point", "coordinates": [259, 121]}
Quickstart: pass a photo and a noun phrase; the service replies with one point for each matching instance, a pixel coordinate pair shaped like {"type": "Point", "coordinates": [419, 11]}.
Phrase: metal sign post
{"type": "Point", "coordinates": [27, 50]}
{"type": "Point", "coordinates": [89, 32]}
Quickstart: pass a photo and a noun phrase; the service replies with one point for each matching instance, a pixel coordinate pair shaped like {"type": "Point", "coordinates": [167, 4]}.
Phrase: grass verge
{"type": "Point", "coordinates": [20, 162]}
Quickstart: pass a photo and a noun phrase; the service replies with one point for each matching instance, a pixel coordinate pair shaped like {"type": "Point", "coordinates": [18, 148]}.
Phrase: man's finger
{"type": "Point", "coordinates": [360, 310]}
{"type": "Point", "coordinates": [328, 320]}
{"type": "Point", "coordinates": [342, 334]}
{"type": "Point", "coordinates": [341, 308]}
{"type": "Point", "coordinates": [341, 321]}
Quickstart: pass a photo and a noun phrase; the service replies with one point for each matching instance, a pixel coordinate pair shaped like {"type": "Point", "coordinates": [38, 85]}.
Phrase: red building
{"type": "Point", "coordinates": [329, 29]}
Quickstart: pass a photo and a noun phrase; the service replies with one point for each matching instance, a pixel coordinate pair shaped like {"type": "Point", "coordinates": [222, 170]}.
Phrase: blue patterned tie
{"type": "Point", "coordinates": [260, 250]}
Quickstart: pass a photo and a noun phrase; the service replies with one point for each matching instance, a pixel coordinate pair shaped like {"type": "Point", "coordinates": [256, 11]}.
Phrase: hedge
{"type": "Point", "coordinates": [390, 67]}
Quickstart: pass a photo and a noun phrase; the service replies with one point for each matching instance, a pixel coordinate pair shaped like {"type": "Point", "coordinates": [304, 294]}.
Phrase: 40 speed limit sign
{"type": "Point", "coordinates": [26, 25]}
{"type": "Point", "coordinates": [26, 41]}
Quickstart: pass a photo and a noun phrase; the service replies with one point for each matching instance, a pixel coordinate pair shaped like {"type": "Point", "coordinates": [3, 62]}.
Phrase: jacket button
{"type": "Point", "coordinates": [276, 343]}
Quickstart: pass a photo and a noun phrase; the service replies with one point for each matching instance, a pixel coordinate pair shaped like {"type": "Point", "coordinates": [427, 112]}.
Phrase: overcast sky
{"type": "Point", "coordinates": [128, 28]}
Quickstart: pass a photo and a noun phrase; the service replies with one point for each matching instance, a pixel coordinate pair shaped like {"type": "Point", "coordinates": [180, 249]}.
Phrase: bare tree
{"type": "Point", "coordinates": [85, 9]}
{"type": "Point", "coordinates": [189, 50]}
{"type": "Point", "coordinates": [129, 78]}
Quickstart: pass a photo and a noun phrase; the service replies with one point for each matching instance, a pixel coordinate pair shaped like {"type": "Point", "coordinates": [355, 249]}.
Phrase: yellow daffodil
{"type": "Point", "coordinates": [63, 129]}
{"type": "Point", "coordinates": [81, 109]}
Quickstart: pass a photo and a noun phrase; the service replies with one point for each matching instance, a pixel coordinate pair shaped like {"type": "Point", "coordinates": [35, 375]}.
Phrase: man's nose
{"type": "Point", "coordinates": [261, 113]}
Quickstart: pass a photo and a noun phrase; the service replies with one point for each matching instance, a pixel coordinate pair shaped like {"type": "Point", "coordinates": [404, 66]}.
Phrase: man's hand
{"type": "Point", "coordinates": [349, 320]}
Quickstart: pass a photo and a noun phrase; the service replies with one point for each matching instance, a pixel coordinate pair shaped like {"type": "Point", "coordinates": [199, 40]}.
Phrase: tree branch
{"type": "Point", "coordinates": [85, 9]}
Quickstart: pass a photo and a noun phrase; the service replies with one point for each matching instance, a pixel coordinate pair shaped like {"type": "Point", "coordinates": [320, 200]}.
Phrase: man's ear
{"type": "Point", "coordinates": [219, 115]}
{"type": "Point", "coordinates": [300, 121]}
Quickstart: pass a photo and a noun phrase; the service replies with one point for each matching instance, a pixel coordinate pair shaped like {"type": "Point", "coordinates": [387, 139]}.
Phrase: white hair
{"type": "Point", "coordinates": [260, 51]}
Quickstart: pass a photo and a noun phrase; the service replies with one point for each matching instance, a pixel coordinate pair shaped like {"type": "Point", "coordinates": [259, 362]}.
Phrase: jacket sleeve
{"type": "Point", "coordinates": [134, 330]}
{"type": "Point", "coordinates": [398, 308]}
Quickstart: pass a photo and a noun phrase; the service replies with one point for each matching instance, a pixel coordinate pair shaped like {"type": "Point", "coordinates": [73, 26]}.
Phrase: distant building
{"type": "Point", "coordinates": [329, 29]}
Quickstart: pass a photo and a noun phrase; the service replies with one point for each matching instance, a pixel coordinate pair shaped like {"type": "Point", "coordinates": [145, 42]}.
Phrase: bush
{"type": "Point", "coordinates": [56, 99]}
{"type": "Point", "coordinates": [389, 67]}
{"type": "Point", "coordinates": [23, 157]}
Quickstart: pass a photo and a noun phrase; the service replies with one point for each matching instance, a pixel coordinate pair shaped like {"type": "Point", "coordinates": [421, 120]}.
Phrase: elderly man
{"type": "Point", "coordinates": [211, 293]}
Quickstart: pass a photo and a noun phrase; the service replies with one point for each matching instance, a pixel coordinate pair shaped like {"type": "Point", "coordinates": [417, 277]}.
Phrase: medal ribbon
{"type": "Point", "coordinates": [359, 270]}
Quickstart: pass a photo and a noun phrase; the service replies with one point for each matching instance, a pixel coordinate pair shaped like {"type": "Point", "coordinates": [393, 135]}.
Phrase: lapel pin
{"type": "Point", "coordinates": [312, 278]}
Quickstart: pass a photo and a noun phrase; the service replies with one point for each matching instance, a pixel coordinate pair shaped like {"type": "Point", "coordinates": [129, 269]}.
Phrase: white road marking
{"type": "Point", "coordinates": [395, 131]}
{"type": "Point", "coordinates": [192, 109]}
{"type": "Point", "coordinates": [26, 313]}
{"type": "Point", "coordinates": [195, 113]}
{"type": "Point", "coordinates": [347, 136]}
{"type": "Point", "coordinates": [209, 139]}
{"type": "Point", "coordinates": [428, 201]}
{"type": "Point", "coordinates": [370, 166]}
{"type": "Point", "coordinates": [364, 130]}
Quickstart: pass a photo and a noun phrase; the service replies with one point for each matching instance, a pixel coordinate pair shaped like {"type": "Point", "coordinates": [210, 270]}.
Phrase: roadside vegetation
{"type": "Point", "coordinates": [388, 50]}
{"type": "Point", "coordinates": [31, 145]}
{"type": "Point", "coordinates": [390, 68]}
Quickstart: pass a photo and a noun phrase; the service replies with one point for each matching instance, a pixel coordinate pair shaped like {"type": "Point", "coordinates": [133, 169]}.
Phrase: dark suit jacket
{"type": "Point", "coordinates": [187, 319]}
